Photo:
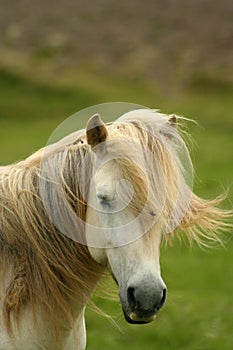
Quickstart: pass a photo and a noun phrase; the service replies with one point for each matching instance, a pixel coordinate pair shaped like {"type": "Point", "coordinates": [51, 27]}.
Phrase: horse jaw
{"type": "Point", "coordinates": [135, 268]}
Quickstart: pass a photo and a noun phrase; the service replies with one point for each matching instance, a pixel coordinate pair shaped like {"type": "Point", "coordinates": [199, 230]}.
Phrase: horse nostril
{"type": "Point", "coordinates": [131, 298]}
{"type": "Point", "coordinates": [145, 302]}
{"type": "Point", "coordinates": [158, 307]}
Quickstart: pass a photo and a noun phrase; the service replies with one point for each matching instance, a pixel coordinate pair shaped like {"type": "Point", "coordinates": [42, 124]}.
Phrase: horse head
{"type": "Point", "coordinates": [122, 229]}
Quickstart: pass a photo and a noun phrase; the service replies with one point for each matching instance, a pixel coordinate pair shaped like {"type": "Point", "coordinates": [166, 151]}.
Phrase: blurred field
{"type": "Point", "coordinates": [198, 314]}
{"type": "Point", "coordinates": [167, 42]}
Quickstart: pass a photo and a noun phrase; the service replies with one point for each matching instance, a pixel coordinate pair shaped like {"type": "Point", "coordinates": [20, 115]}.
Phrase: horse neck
{"type": "Point", "coordinates": [45, 261]}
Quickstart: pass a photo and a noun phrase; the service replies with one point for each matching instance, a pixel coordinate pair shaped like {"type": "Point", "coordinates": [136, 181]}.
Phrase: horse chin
{"type": "Point", "coordinates": [133, 319]}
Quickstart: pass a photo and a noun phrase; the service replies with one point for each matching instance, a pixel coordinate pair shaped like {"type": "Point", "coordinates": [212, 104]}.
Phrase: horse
{"type": "Point", "coordinates": [101, 199]}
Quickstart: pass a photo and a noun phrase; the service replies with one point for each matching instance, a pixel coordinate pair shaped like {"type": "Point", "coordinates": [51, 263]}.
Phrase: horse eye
{"type": "Point", "coordinates": [103, 199]}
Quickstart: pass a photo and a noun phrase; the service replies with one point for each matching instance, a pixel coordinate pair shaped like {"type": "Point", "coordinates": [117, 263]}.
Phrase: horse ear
{"type": "Point", "coordinates": [96, 131]}
{"type": "Point", "coordinates": [172, 120]}
{"type": "Point", "coordinates": [169, 128]}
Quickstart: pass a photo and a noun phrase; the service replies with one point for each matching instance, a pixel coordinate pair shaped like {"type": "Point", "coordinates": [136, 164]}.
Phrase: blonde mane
{"type": "Point", "coordinates": [47, 268]}
{"type": "Point", "coordinates": [52, 270]}
{"type": "Point", "coordinates": [202, 220]}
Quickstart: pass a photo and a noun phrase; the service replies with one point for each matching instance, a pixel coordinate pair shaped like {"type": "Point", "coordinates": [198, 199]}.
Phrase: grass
{"type": "Point", "coordinates": [198, 314]}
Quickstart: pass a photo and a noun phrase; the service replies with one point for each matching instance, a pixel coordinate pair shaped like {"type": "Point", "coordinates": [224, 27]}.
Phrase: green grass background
{"type": "Point", "coordinates": [199, 310]}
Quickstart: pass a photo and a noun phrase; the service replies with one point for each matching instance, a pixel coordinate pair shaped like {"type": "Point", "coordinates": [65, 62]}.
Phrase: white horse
{"type": "Point", "coordinates": [99, 199]}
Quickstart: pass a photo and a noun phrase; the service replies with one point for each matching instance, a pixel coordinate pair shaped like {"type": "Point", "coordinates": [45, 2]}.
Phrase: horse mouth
{"type": "Point", "coordinates": [133, 318]}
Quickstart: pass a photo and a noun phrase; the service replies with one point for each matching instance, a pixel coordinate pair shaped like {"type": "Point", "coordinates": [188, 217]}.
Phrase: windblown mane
{"type": "Point", "coordinates": [53, 270]}
{"type": "Point", "coordinates": [200, 220]}
{"type": "Point", "coordinates": [47, 268]}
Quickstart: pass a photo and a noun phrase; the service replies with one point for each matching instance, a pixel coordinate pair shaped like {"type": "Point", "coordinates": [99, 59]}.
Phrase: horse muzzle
{"type": "Point", "coordinates": [143, 302]}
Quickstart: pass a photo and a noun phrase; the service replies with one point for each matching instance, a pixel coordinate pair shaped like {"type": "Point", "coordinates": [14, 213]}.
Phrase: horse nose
{"type": "Point", "coordinates": [146, 303]}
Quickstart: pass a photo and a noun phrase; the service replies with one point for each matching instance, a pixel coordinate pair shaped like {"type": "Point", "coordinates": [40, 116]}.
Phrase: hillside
{"type": "Point", "coordinates": [163, 41]}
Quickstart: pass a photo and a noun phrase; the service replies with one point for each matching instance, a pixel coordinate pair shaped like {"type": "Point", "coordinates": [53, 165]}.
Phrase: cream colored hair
{"type": "Point", "coordinates": [47, 267]}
